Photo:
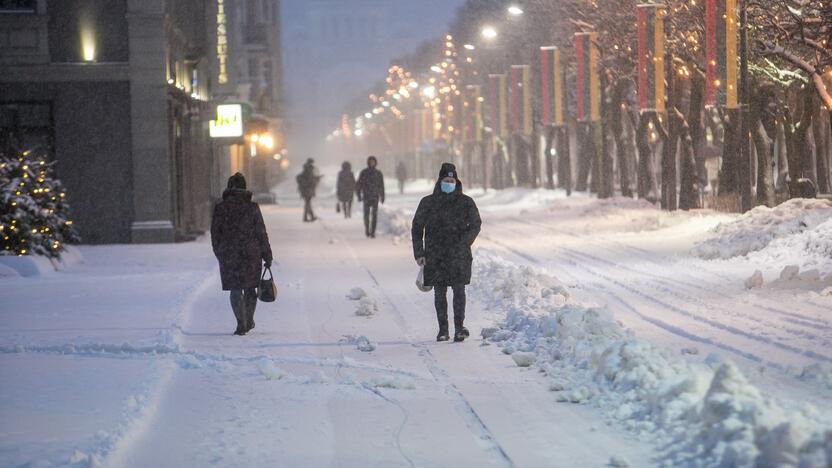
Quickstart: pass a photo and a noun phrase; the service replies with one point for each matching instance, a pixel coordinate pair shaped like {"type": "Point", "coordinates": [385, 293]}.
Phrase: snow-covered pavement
{"type": "Point", "coordinates": [128, 358]}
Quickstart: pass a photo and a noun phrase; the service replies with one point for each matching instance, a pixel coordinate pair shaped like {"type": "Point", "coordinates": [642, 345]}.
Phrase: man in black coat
{"type": "Point", "coordinates": [370, 190]}
{"type": "Point", "coordinates": [240, 243]}
{"type": "Point", "coordinates": [307, 185]}
{"type": "Point", "coordinates": [345, 188]}
{"type": "Point", "coordinates": [444, 228]}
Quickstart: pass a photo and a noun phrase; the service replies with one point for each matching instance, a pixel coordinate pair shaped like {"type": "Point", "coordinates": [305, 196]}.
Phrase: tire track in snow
{"type": "Point", "coordinates": [668, 289]}
{"type": "Point", "coordinates": [794, 317]}
{"type": "Point", "coordinates": [464, 407]}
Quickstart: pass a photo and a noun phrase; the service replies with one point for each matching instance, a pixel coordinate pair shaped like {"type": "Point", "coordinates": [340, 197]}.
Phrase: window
{"type": "Point", "coordinates": [253, 68]}
{"type": "Point", "coordinates": [18, 6]}
{"type": "Point", "coordinates": [28, 124]}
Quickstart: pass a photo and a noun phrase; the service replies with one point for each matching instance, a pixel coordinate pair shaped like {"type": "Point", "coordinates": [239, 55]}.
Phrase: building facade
{"type": "Point", "coordinates": [119, 94]}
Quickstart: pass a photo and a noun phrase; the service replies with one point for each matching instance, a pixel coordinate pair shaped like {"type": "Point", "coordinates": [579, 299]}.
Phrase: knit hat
{"type": "Point", "coordinates": [448, 170]}
{"type": "Point", "coordinates": [237, 181]}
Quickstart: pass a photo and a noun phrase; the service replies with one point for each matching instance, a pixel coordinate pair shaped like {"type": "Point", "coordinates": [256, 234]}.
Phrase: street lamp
{"type": "Point", "coordinates": [469, 46]}
{"type": "Point", "coordinates": [515, 10]}
{"type": "Point", "coordinates": [489, 32]}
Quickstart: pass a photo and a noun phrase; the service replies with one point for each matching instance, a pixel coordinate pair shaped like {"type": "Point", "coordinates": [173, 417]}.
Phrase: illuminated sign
{"type": "Point", "coordinates": [229, 121]}
{"type": "Point", "coordinates": [222, 43]}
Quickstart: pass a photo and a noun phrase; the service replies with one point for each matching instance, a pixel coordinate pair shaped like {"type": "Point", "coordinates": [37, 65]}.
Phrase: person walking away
{"type": "Point", "coordinates": [345, 188]}
{"type": "Point", "coordinates": [307, 184]}
{"type": "Point", "coordinates": [401, 175]}
{"type": "Point", "coordinates": [444, 227]}
{"type": "Point", "coordinates": [370, 190]}
{"type": "Point", "coordinates": [240, 243]}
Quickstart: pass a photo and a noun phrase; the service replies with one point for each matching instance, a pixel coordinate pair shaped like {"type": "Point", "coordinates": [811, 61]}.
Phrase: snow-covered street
{"type": "Point", "coordinates": [127, 359]}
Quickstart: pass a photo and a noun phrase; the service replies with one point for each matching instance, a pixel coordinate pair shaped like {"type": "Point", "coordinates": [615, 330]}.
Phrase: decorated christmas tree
{"type": "Point", "coordinates": [34, 215]}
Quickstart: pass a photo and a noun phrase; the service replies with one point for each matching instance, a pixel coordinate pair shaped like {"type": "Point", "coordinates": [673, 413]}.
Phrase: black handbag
{"type": "Point", "coordinates": [267, 292]}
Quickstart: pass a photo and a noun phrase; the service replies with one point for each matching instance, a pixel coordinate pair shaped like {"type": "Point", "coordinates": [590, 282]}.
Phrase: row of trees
{"type": "Point", "coordinates": [775, 143]}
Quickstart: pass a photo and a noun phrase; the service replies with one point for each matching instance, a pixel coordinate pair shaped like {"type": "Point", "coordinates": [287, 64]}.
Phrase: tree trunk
{"type": "Point", "coordinates": [762, 146]}
{"type": "Point", "coordinates": [564, 161]}
{"type": "Point", "coordinates": [550, 170]}
{"type": "Point", "coordinates": [692, 134]}
{"type": "Point", "coordinates": [646, 181]}
{"type": "Point", "coordinates": [670, 145]}
{"type": "Point", "coordinates": [728, 181]}
{"type": "Point", "coordinates": [819, 131]}
{"type": "Point", "coordinates": [586, 154]}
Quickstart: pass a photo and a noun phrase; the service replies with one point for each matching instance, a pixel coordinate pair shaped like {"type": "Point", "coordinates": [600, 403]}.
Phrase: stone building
{"type": "Point", "coordinates": [119, 93]}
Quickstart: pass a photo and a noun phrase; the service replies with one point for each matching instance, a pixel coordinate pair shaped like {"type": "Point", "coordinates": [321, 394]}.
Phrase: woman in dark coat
{"type": "Point", "coordinates": [240, 242]}
{"type": "Point", "coordinates": [307, 184]}
{"type": "Point", "coordinates": [444, 228]}
{"type": "Point", "coordinates": [345, 188]}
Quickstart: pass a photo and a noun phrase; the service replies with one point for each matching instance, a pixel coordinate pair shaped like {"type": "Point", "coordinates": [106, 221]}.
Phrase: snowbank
{"type": "Point", "coordinates": [393, 222]}
{"type": "Point", "coordinates": [701, 415]}
{"type": "Point", "coordinates": [793, 223]}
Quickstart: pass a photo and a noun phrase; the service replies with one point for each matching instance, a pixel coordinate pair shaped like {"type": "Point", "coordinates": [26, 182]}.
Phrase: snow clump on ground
{"type": "Point", "coordinates": [790, 223]}
{"type": "Point", "coordinates": [700, 415]}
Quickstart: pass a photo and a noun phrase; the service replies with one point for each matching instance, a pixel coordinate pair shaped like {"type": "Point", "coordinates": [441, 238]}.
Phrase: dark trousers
{"type": "Point", "coordinates": [440, 300]}
{"type": "Point", "coordinates": [346, 206]}
{"type": "Point", "coordinates": [243, 303]}
{"type": "Point", "coordinates": [370, 216]}
{"type": "Point", "coordinates": [308, 215]}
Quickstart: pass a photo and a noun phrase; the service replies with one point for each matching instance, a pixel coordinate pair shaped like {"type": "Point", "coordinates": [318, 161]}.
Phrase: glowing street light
{"type": "Point", "coordinates": [429, 92]}
{"type": "Point", "coordinates": [515, 10]}
{"type": "Point", "coordinates": [489, 32]}
{"type": "Point", "coordinates": [469, 46]}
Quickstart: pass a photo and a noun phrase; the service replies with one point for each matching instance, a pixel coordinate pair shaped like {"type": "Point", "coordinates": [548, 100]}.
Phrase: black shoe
{"type": "Point", "coordinates": [442, 336]}
{"type": "Point", "coordinates": [373, 236]}
{"type": "Point", "coordinates": [240, 331]}
{"type": "Point", "coordinates": [250, 325]}
{"type": "Point", "coordinates": [460, 335]}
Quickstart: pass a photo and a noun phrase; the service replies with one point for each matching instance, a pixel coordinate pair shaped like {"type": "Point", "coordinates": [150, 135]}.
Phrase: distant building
{"type": "Point", "coordinates": [251, 73]}
{"type": "Point", "coordinates": [117, 92]}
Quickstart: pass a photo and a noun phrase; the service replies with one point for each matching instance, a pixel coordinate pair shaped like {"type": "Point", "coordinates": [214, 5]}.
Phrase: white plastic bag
{"type": "Point", "coordinates": [420, 281]}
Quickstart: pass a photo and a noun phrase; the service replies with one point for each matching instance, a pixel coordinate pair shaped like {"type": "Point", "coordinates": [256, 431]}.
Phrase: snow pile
{"type": "Point", "coordinates": [366, 307]}
{"type": "Point", "coordinates": [702, 415]}
{"type": "Point", "coordinates": [394, 222]}
{"type": "Point", "coordinates": [812, 247]}
{"type": "Point", "coordinates": [755, 230]}
{"type": "Point", "coordinates": [392, 382]}
{"type": "Point", "coordinates": [791, 277]}
{"type": "Point", "coordinates": [356, 294]}
{"type": "Point", "coordinates": [362, 343]}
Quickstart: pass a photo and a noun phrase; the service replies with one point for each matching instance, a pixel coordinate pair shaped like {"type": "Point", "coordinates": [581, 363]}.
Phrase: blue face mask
{"type": "Point", "coordinates": [447, 187]}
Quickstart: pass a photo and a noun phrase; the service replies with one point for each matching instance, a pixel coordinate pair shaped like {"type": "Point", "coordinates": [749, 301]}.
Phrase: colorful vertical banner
{"type": "Point", "coordinates": [497, 104]}
{"type": "Point", "coordinates": [552, 79]}
{"type": "Point", "coordinates": [650, 29]}
{"type": "Point", "coordinates": [520, 100]}
{"type": "Point", "coordinates": [587, 81]}
{"type": "Point", "coordinates": [721, 19]}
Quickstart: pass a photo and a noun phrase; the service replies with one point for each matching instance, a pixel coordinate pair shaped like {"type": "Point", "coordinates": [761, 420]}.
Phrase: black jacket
{"type": "Point", "coordinates": [370, 185]}
{"type": "Point", "coordinates": [308, 182]}
{"type": "Point", "coordinates": [346, 185]}
{"type": "Point", "coordinates": [444, 228]}
{"type": "Point", "coordinates": [239, 240]}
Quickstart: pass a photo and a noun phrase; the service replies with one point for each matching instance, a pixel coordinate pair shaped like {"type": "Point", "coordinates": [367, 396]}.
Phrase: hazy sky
{"type": "Point", "coordinates": [334, 50]}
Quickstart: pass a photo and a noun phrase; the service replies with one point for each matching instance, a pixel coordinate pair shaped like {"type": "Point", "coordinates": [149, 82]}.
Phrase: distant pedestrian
{"type": "Point", "coordinates": [240, 243]}
{"type": "Point", "coordinates": [370, 190]}
{"type": "Point", "coordinates": [307, 184]}
{"type": "Point", "coordinates": [444, 228]}
{"type": "Point", "coordinates": [401, 175]}
{"type": "Point", "coordinates": [345, 188]}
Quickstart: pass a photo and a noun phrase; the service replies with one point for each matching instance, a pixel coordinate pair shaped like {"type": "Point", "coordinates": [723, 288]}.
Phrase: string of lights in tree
{"type": "Point", "coordinates": [33, 209]}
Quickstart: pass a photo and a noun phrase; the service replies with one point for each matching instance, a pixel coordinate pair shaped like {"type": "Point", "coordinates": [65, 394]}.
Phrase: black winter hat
{"type": "Point", "coordinates": [448, 170]}
{"type": "Point", "coordinates": [237, 181]}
